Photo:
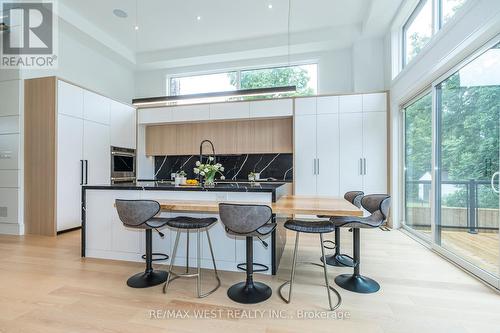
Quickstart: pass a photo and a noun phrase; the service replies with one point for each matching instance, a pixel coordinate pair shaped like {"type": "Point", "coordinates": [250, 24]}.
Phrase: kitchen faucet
{"type": "Point", "coordinates": [201, 154]}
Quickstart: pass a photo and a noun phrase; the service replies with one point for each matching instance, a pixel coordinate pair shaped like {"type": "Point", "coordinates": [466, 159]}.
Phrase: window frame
{"type": "Point", "coordinates": [437, 24]}
{"type": "Point", "coordinates": [238, 72]}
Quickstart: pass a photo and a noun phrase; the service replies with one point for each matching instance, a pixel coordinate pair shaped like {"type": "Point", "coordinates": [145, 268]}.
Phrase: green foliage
{"type": "Point", "coordinates": [275, 77]}
{"type": "Point", "coordinates": [469, 139]}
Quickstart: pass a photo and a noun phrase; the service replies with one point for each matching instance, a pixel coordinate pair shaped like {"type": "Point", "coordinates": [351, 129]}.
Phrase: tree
{"type": "Point", "coordinates": [274, 77]}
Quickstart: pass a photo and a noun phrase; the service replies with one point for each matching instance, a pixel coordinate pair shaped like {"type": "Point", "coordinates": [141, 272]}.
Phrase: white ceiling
{"type": "Point", "coordinates": [172, 24]}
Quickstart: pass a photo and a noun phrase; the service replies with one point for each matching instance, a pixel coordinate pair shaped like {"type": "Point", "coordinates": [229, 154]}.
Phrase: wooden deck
{"type": "Point", "coordinates": [46, 287]}
{"type": "Point", "coordinates": [481, 249]}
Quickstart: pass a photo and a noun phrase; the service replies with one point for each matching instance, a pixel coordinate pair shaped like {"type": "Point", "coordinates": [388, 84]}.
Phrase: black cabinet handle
{"type": "Point", "coordinates": [86, 172]}
{"type": "Point", "coordinates": [81, 172]}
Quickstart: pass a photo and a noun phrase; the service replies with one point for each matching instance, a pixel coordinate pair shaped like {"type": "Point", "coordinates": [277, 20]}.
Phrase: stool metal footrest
{"type": "Point", "coordinates": [329, 242]}
{"type": "Point", "coordinates": [243, 266]}
{"type": "Point", "coordinates": [162, 256]}
{"type": "Point", "coordinates": [332, 308]}
{"type": "Point", "coordinates": [173, 276]}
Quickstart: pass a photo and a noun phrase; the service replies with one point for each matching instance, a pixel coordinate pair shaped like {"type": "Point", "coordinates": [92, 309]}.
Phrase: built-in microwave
{"type": "Point", "coordinates": [123, 162]}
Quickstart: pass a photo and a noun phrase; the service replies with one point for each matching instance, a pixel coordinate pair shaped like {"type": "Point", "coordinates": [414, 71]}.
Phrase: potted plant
{"type": "Point", "coordinates": [208, 171]}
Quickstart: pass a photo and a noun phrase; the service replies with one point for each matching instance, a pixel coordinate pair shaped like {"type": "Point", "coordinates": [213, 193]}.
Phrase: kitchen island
{"type": "Point", "coordinates": [105, 237]}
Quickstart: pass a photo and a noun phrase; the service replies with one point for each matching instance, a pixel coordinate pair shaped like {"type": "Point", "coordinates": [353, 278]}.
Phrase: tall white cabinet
{"type": "Point", "coordinates": [74, 132]}
{"type": "Point", "coordinates": [340, 144]}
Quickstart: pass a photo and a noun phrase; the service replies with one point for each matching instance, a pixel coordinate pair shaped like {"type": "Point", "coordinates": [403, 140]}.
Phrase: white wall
{"type": "Point", "coordinates": [353, 69]}
{"type": "Point", "coordinates": [83, 61]}
{"type": "Point", "coordinates": [86, 62]}
{"type": "Point", "coordinates": [472, 27]}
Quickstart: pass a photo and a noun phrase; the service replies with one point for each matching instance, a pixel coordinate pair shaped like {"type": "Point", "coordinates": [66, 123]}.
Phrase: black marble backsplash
{"type": "Point", "coordinates": [237, 167]}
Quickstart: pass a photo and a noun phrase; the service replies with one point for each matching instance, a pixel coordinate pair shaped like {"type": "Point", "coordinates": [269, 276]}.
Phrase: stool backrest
{"type": "Point", "coordinates": [243, 219]}
{"type": "Point", "coordinates": [134, 213]}
{"type": "Point", "coordinates": [354, 197]}
{"type": "Point", "coordinates": [377, 204]}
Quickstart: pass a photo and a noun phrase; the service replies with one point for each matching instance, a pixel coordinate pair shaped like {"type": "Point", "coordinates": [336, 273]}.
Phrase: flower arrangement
{"type": "Point", "coordinates": [209, 171]}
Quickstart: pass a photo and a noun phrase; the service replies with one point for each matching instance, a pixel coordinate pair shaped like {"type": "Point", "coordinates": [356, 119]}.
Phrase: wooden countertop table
{"type": "Point", "coordinates": [286, 205]}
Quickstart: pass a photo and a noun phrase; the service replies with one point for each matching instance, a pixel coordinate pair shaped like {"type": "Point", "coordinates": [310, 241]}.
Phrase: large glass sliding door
{"type": "Point", "coordinates": [467, 157]}
{"type": "Point", "coordinates": [418, 164]}
{"type": "Point", "coordinates": [452, 164]}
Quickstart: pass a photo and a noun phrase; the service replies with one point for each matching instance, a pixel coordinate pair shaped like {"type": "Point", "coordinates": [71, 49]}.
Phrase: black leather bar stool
{"type": "Point", "coordinates": [249, 221]}
{"type": "Point", "coordinates": [311, 227]}
{"type": "Point", "coordinates": [378, 205]}
{"type": "Point", "coordinates": [339, 259]}
{"type": "Point", "coordinates": [140, 214]}
{"type": "Point", "coordinates": [184, 223]}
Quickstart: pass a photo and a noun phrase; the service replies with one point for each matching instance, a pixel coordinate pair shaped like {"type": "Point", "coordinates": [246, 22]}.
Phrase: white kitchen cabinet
{"type": "Point", "coordinates": [190, 113]}
{"type": "Point", "coordinates": [351, 152]}
{"type": "Point", "coordinates": [305, 155]}
{"type": "Point", "coordinates": [155, 115]}
{"type": "Point", "coordinates": [305, 106]}
{"type": "Point", "coordinates": [316, 139]}
{"type": "Point", "coordinates": [375, 152]}
{"type": "Point", "coordinates": [375, 102]}
{"type": "Point", "coordinates": [69, 99]}
{"type": "Point", "coordinates": [327, 105]}
{"type": "Point", "coordinates": [327, 150]}
{"type": "Point", "coordinates": [70, 173]}
{"type": "Point", "coordinates": [340, 146]}
{"type": "Point", "coordinates": [271, 108]}
{"type": "Point", "coordinates": [97, 153]}
{"type": "Point", "coordinates": [96, 107]}
{"type": "Point", "coordinates": [122, 125]}
{"type": "Point", "coordinates": [221, 111]}
{"type": "Point", "coordinates": [350, 103]}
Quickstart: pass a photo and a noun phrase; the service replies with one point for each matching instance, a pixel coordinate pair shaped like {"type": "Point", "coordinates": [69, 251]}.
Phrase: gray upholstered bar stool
{"type": "Point", "coordinates": [311, 227]}
{"type": "Point", "coordinates": [184, 223]}
{"type": "Point", "coordinates": [378, 205]}
{"type": "Point", "coordinates": [339, 259]}
{"type": "Point", "coordinates": [140, 214]}
{"type": "Point", "coordinates": [249, 221]}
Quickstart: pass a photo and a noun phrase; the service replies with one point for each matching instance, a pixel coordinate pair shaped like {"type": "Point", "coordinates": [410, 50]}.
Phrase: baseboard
{"type": "Point", "coordinates": [11, 229]}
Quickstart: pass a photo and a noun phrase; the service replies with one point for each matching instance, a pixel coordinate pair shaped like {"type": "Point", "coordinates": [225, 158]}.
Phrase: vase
{"type": "Point", "coordinates": [209, 181]}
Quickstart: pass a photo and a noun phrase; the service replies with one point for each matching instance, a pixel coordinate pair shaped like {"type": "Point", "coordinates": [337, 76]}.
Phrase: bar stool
{"type": "Point", "coordinates": [311, 227]}
{"type": "Point", "coordinates": [339, 259]}
{"type": "Point", "coordinates": [378, 205]}
{"type": "Point", "coordinates": [249, 221]}
{"type": "Point", "coordinates": [190, 223]}
{"type": "Point", "coordinates": [140, 214]}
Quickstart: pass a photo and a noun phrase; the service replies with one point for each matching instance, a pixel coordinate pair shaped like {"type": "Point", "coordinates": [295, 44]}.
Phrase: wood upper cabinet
{"type": "Point", "coordinates": [229, 137]}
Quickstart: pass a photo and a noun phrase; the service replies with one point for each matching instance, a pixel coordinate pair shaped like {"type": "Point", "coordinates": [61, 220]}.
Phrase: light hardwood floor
{"type": "Point", "coordinates": [46, 287]}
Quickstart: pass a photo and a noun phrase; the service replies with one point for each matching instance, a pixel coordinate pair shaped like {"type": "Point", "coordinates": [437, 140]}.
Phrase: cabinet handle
{"type": "Point", "coordinates": [318, 165]}
{"type": "Point", "coordinates": [81, 172]}
{"type": "Point", "coordinates": [86, 172]}
{"type": "Point", "coordinates": [364, 166]}
{"type": "Point", "coordinates": [361, 166]}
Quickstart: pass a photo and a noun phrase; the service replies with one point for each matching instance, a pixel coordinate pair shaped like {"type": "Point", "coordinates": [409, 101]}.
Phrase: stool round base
{"type": "Point", "coordinates": [339, 260]}
{"type": "Point", "coordinates": [145, 280]}
{"type": "Point", "coordinates": [357, 283]}
{"type": "Point", "coordinates": [249, 294]}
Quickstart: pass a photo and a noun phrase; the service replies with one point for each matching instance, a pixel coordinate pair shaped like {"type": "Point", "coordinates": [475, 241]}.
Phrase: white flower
{"type": "Point", "coordinates": [196, 170]}
{"type": "Point", "coordinates": [202, 173]}
{"type": "Point", "coordinates": [210, 158]}
{"type": "Point", "coordinates": [218, 165]}
{"type": "Point", "coordinates": [222, 178]}
{"type": "Point", "coordinates": [221, 168]}
{"type": "Point", "coordinates": [206, 170]}
{"type": "Point", "coordinates": [198, 163]}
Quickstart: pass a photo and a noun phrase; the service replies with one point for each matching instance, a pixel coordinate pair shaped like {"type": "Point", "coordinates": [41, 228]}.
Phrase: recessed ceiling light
{"type": "Point", "coordinates": [136, 27]}
{"type": "Point", "coordinates": [120, 13]}
{"type": "Point", "coordinates": [198, 18]}
{"type": "Point", "coordinates": [270, 6]}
